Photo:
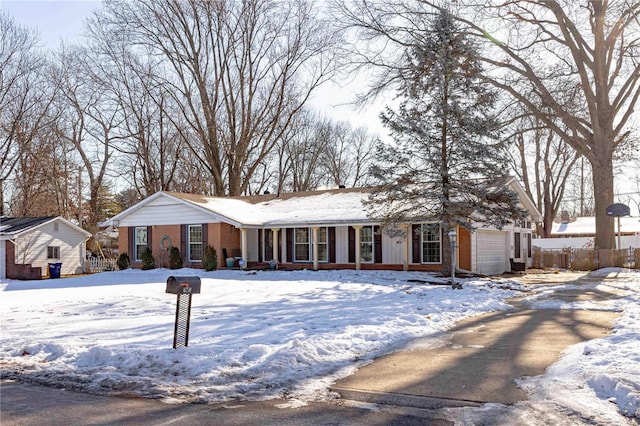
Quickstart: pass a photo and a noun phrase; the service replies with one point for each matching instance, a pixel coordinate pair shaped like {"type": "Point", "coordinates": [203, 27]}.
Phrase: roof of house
{"type": "Point", "coordinates": [587, 226]}
{"type": "Point", "coordinates": [313, 207]}
{"type": "Point", "coordinates": [11, 227]}
{"type": "Point", "coordinates": [325, 207]}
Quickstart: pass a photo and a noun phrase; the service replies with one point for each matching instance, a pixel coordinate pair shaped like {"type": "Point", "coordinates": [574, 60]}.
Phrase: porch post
{"type": "Point", "coordinates": [358, 259]}
{"type": "Point", "coordinates": [314, 236]}
{"type": "Point", "coordinates": [243, 247]}
{"type": "Point", "coordinates": [405, 251]}
{"type": "Point", "coordinates": [275, 244]}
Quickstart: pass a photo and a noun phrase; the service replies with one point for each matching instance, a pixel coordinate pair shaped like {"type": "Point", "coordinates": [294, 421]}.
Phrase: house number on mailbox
{"type": "Point", "coordinates": [184, 287]}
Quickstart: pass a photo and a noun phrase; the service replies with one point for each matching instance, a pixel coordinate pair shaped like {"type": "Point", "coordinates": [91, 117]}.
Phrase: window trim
{"type": "Point", "coordinates": [371, 243]}
{"type": "Point", "coordinates": [309, 244]}
{"type": "Point", "coordinates": [422, 243]}
{"type": "Point", "coordinates": [55, 250]}
{"type": "Point", "coordinates": [190, 243]}
{"type": "Point", "coordinates": [137, 253]}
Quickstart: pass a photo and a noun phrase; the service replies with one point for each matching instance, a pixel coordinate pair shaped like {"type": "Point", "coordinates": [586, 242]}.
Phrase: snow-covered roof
{"type": "Point", "coordinates": [334, 206]}
{"type": "Point", "coordinates": [587, 226]}
{"type": "Point", "coordinates": [301, 208]}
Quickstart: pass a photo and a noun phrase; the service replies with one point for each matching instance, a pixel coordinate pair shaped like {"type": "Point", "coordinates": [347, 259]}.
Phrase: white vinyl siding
{"type": "Point", "coordinates": [31, 247]}
{"type": "Point", "coordinates": [165, 211]}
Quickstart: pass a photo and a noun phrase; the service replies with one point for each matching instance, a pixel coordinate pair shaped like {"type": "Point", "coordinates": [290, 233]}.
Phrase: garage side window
{"type": "Point", "coordinates": [195, 243]}
{"type": "Point", "coordinates": [53, 252]}
{"type": "Point", "coordinates": [431, 243]}
{"type": "Point", "coordinates": [140, 241]}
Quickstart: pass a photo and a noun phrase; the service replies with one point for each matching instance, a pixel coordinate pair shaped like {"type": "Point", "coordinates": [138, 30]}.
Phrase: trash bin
{"type": "Point", "coordinates": [54, 270]}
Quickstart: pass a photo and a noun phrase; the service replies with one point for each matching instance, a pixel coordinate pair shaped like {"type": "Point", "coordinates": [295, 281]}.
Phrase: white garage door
{"type": "Point", "coordinates": [491, 252]}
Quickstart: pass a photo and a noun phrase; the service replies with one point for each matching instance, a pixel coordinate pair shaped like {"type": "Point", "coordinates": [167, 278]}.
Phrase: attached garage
{"type": "Point", "coordinates": [491, 252]}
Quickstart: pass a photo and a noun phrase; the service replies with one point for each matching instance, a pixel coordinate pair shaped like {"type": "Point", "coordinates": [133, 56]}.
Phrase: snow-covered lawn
{"type": "Point", "coordinates": [263, 335]}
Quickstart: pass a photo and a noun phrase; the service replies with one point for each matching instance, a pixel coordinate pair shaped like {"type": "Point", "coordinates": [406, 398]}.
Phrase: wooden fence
{"type": "Point", "coordinates": [585, 259]}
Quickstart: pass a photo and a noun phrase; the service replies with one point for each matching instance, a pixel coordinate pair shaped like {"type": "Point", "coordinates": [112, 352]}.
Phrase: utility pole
{"type": "Point", "coordinates": [80, 196]}
{"type": "Point", "coordinates": [582, 186]}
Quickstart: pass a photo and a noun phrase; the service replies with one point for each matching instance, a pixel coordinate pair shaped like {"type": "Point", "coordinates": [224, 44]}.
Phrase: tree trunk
{"type": "Point", "coordinates": [603, 191]}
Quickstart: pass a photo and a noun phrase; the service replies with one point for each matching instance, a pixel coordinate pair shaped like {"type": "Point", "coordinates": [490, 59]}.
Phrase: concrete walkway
{"type": "Point", "coordinates": [481, 358]}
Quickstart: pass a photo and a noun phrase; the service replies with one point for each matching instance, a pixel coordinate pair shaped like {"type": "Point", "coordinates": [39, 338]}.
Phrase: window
{"type": "Point", "coordinates": [323, 245]}
{"type": "Point", "coordinates": [431, 243]}
{"type": "Point", "coordinates": [302, 240]}
{"type": "Point", "coordinates": [140, 243]}
{"type": "Point", "coordinates": [303, 245]}
{"type": "Point", "coordinates": [366, 244]}
{"type": "Point", "coordinates": [529, 245]}
{"type": "Point", "coordinates": [195, 243]}
{"type": "Point", "coordinates": [517, 240]}
{"type": "Point", "coordinates": [53, 252]}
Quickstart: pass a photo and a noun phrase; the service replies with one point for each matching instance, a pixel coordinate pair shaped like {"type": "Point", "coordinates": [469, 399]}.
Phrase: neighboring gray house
{"type": "Point", "coordinates": [29, 244]}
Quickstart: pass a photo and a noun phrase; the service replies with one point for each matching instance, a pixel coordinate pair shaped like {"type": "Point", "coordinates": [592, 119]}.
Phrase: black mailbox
{"type": "Point", "coordinates": [183, 285]}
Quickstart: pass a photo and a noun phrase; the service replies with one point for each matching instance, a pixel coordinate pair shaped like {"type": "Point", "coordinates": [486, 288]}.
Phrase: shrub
{"type": "Point", "coordinates": [175, 259]}
{"type": "Point", "coordinates": [209, 259]}
{"type": "Point", "coordinates": [148, 262]}
{"type": "Point", "coordinates": [123, 261]}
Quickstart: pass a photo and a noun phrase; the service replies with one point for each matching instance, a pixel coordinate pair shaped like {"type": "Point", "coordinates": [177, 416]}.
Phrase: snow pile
{"type": "Point", "coordinates": [291, 334]}
{"type": "Point", "coordinates": [253, 335]}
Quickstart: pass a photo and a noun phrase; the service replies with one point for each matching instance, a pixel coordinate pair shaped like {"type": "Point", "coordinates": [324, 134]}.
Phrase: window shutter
{"type": "Point", "coordinates": [332, 244]}
{"type": "Point", "coordinates": [260, 244]}
{"type": "Point", "coordinates": [183, 242]}
{"type": "Point", "coordinates": [205, 235]}
{"type": "Point", "coordinates": [377, 242]}
{"type": "Point", "coordinates": [149, 239]}
{"type": "Point", "coordinates": [132, 243]}
{"type": "Point", "coordinates": [352, 245]}
{"type": "Point", "coordinates": [290, 247]}
{"type": "Point", "coordinates": [415, 238]}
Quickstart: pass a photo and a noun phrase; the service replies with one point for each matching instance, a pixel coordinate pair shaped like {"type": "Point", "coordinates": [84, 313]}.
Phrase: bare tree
{"type": "Point", "coordinates": [151, 132]}
{"type": "Point", "coordinates": [87, 121]}
{"type": "Point", "coordinates": [591, 47]}
{"type": "Point", "coordinates": [24, 97]}
{"type": "Point", "coordinates": [348, 154]}
{"type": "Point", "coordinates": [240, 71]}
{"type": "Point", "coordinates": [544, 164]}
{"type": "Point", "coordinates": [537, 50]}
{"type": "Point", "coordinates": [305, 148]}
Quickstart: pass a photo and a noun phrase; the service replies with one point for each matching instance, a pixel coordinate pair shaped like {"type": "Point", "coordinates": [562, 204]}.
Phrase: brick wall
{"type": "Point", "coordinates": [19, 271]}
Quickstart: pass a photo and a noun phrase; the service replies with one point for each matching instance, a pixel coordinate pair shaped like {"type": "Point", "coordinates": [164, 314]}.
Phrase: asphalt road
{"type": "Point", "coordinates": [26, 404]}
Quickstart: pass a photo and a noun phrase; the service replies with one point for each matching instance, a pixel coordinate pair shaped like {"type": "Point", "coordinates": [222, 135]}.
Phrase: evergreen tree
{"type": "Point", "coordinates": [446, 163]}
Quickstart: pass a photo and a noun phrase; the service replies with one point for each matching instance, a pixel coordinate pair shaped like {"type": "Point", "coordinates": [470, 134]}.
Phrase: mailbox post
{"type": "Point", "coordinates": [184, 287]}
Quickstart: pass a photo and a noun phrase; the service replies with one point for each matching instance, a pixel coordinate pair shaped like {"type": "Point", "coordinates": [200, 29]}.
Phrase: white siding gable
{"type": "Point", "coordinates": [166, 210]}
